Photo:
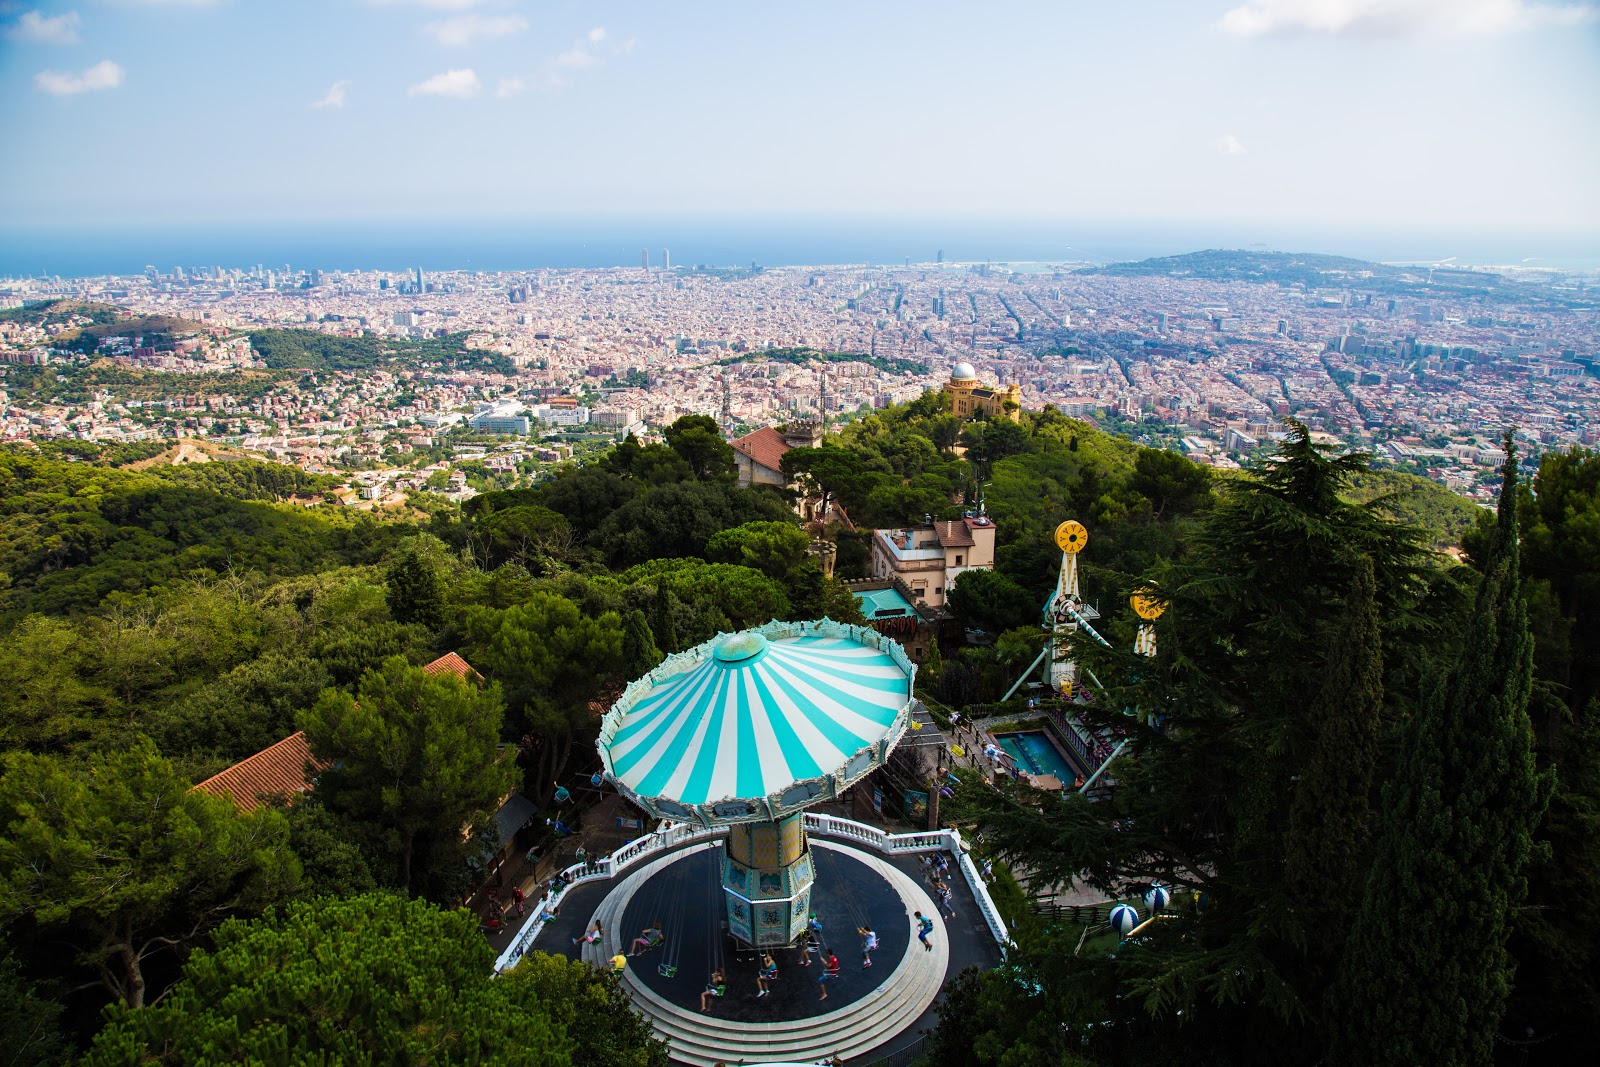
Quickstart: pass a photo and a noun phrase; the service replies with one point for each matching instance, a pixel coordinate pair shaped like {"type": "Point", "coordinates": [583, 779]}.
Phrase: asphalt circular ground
{"type": "Point", "coordinates": [686, 897]}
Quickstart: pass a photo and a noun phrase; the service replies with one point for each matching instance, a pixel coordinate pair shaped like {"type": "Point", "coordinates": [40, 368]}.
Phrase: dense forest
{"type": "Point", "coordinates": [165, 623]}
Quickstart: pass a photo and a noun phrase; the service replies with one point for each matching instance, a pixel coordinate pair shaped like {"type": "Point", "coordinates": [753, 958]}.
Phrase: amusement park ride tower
{"type": "Point", "coordinates": [1065, 611]}
{"type": "Point", "coordinates": [747, 731]}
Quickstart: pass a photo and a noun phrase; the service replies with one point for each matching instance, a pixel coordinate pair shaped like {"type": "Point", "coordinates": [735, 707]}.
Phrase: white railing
{"type": "Point", "coordinates": [671, 835]}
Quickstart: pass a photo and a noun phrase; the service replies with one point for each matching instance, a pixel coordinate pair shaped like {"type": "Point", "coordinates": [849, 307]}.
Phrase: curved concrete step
{"type": "Point", "coordinates": [856, 1028]}
{"type": "Point", "coordinates": [864, 1024]}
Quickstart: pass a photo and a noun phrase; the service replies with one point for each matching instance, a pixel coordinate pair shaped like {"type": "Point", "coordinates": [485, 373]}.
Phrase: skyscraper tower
{"type": "Point", "coordinates": [666, 259]}
{"type": "Point", "coordinates": [419, 279]}
{"type": "Point", "coordinates": [644, 259]}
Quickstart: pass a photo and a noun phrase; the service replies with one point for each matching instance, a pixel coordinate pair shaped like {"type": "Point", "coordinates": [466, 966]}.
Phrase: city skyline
{"type": "Point", "coordinates": [1247, 117]}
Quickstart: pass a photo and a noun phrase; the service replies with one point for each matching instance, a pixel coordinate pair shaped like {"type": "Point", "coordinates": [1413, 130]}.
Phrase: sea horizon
{"type": "Point", "coordinates": [34, 251]}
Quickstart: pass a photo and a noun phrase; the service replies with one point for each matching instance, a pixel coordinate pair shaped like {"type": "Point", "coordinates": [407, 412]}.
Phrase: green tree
{"type": "Point", "coordinates": [833, 473]}
{"type": "Point", "coordinates": [1168, 480]}
{"type": "Point", "coordinates": [662, 623]}
{"type": "Point", "coordinates": [931, 669]}
{"type": "Point", "coordinates": [45, 703]}
{"type": "Point", "coordinates": [533, 536]}
{"type": "Point", "coordinates": [988, 600]}
{"type": "Point", "coordinates": [592, 1007]}
{"type": "Point", "coordinates": [122, 860]}
{"type": "Point", "coordinates": [813, 595]}
{"type": "Point", "coordinates": [669, 521]}
{"type": "Point", "coordinates": [553, 659]}
{"type": "Point", "coordinates": [1252, 609]}
{"type": "Point", "coordinates": [698, 440]}
{"type": "Point", "coordinates": [415, 753]}
{"type": "Point", "coordinates": [1557, 946]}
{"type": "Point", "coordinates": [773, 548]}
{"type": "Point", "coordinates": [332, 849]}
{"type": "Point", "coordinates": [30, 1029]}
{"type": "Point", "coordinates": [639, 652]}
{"type": "Point", "coordinates": [1329, 838]}
{"type": "Point", "coordinates": [1427, 972]}
{"type": "Point", "coordinates": [369, 979]}
{"type": "Point", "coordinates": [415, 584]}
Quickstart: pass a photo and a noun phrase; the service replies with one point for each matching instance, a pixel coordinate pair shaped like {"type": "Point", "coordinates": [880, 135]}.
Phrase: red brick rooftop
{"type": "Point", "coordinates": [766, 446]}
{"type": "Point", "coordinates": [279, 770]}
{"type": "Point", "coordinates": [450, 663]}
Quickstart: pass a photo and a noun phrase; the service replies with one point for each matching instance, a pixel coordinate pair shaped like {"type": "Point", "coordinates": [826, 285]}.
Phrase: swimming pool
{"type": "Point", "coordinates": [1035, 753]}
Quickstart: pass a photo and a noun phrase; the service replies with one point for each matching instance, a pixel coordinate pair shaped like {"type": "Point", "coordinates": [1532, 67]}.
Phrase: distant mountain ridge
{"type": "Point", "coordinates": [1311, 269]}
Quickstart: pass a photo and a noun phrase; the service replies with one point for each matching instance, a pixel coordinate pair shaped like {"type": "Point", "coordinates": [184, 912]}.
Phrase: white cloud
{"type": "Point", "coordinates": [169, 3]}
{"type": "Point", "coordinates": [438, 5]}
{"type": "Point", "coordinates": [597, 35]}
{"type": "Point", "coordinates": [103, 75]}
{"type": "Point", "coordinates": [464, 29]}
{"type": "Point", "coordinates": [57, 29]}
{"type": "Point", "coordinates": [1229, 145]}
{"type": "Point", "coordinates": [1370, 19]}
{"type": "Point", "coordinates": [506, 88]}
{"type": "Point", "coordinates": [335, 97]}
{"type": "Point", "coordinates": [460, 84]}
{"type": "Point", "coordinates": [577, 58]}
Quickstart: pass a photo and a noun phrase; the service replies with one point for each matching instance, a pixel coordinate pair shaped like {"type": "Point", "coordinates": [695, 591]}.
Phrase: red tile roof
{"type": "Point", "coordinates": [953, 534]}
{"type": "Point", "coordinates": [766, 446]}
{"type": "Point", "coordinates": [450, 663]}
{"type": "Point", "coordinates": [281, 769]}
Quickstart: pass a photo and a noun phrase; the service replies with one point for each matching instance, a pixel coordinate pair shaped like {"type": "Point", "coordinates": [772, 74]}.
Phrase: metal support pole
{"type": "Point", "coordinates": [1102, 769]}
{"type": "Point", "coordinates": [1023, 677]}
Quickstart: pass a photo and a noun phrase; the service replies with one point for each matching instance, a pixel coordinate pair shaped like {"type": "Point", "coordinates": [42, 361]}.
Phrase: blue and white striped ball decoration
{"type": "Point", "coordinates": [1157, 898]}
{"type": "Point", "coordinates": [1124, 918]}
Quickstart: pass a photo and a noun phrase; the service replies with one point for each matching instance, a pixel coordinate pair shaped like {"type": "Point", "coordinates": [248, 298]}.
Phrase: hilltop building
{"type": "Point", "coordinates": [759, 455]}
{"type": "Point", "coordinates": [968, 396]}
{"type": "Point", "coordinates": [930, 558]}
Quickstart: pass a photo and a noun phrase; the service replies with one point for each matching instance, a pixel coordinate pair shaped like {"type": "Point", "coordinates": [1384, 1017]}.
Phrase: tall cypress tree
{"type": "Point", "coordinates": [1328, 846]}
{"type": "Point", "coordinates": [1427, 972]}
{"type": "Point", "coordinates": [639, 651]}
{"type": "Point", "coordinates": [661, 621]}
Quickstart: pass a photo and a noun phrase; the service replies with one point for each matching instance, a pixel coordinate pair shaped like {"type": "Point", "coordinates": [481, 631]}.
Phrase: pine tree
{"type": "Point", "coordinates": [414, 589]}
{"type": "Point", "coordinates": [639, 651]}
{"type": "Point", "coordinates": [1327, 849]}
{"type": "Point", "coordinates": [1427, 972]}
{"type": "Point", "coordinates": [661, 621]}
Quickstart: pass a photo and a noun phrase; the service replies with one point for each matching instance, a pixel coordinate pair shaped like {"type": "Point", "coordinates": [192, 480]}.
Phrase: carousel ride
{"type": "Point", "coordinates": [735, 739]}
{"type": "Point", "coordinates": [748, 731]}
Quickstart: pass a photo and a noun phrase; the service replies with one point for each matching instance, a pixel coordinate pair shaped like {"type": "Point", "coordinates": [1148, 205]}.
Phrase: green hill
{"type": "Point", "coordinates": [1309, 269]}
{"type": "Point", "coordinates": [1419, 501]}
{"type": "Point", "coordinates": [50, 312]}
{"type": "Point", "coordinates": [309, 350]}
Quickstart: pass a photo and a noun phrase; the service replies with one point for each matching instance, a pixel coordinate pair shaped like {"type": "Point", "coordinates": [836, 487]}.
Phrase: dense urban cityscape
{"type": "Point", "coordinates": [1203, 354]}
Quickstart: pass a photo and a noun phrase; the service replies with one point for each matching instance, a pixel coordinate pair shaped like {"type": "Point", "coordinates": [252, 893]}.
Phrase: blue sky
{"type": "Point", "coordinates": [1448, 115]}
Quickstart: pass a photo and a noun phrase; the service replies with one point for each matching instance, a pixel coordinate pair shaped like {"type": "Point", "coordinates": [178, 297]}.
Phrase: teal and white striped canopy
{"type": "Point", "coordinates": [759, 723]}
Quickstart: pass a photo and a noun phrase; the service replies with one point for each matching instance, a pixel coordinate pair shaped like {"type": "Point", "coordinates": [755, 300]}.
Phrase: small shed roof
{"type": "Point", "coordinates": [883, 604]}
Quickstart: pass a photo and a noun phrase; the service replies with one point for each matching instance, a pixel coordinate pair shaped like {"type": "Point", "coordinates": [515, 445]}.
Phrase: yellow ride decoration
{"type": "Point", "coordinates": [1146, 605]}
{"type": "Point", "coordinates": [1071, 536]}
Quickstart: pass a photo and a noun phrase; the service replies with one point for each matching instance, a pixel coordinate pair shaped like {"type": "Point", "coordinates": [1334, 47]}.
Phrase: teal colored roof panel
{"type": "Point", "coordinates": [884, 604]}
{"type": "Point", "coordinates": [750, 715]}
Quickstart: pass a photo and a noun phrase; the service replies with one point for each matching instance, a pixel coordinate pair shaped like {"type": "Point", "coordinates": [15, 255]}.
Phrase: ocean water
{"type": "Point", "coordinates": [496, 245]}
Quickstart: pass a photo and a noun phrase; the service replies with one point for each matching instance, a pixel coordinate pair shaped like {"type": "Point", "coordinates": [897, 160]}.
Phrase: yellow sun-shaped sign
{"type": "Point", "coordinates": [1071, 536]}
{"type": "Point", "coordinates": [1146, 605]}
